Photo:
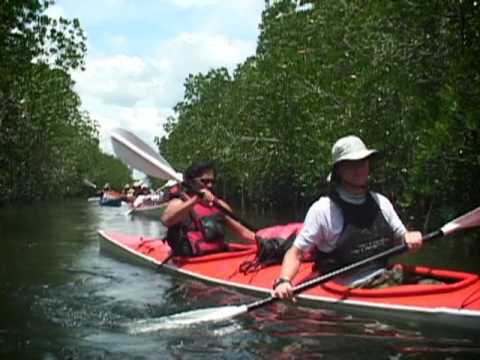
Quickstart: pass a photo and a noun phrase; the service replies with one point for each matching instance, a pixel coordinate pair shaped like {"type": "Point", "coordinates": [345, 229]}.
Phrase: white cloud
{"type": "Point", "coordinates": [55, 11]}
{"type": "Point", "coordinates": [123, 91]}
{"type": "Point", "coordinates": [145, 122]}
{"type": "Point", "coordinates": [192, 53]}
{"type": "Point", "coordinates": [210, 50]}
{"type": "Point", "coordinates": [123, 80]}
{"type": "Point", "coordinates": [119, 80]}
{"type": "Point", "coordinates": [135, 73]}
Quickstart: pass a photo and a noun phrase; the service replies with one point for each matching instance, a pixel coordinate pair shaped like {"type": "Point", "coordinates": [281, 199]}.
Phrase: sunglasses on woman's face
{"type": "Point", "coordinates": [206, 181]}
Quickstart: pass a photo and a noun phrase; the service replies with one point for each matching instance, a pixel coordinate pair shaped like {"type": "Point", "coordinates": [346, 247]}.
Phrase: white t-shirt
{"type": "Point", "coordinates": [146, 200]}
{"type": "Point", "coordinates": [324, 223]}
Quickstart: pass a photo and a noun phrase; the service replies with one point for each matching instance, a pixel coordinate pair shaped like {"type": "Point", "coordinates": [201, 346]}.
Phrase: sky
{"type": "Point", "coordinates": [139, 53]}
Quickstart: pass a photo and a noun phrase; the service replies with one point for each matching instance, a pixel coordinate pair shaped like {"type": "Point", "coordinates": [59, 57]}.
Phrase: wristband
{"type": "Point", "coordinates": [279, 281]}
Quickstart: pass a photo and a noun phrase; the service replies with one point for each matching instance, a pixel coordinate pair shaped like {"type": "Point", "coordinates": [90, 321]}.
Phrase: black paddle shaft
{"type": "Point", "coordinates": [328, 276]}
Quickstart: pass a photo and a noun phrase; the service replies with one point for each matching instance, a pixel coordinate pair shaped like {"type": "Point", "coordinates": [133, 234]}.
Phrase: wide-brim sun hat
{"type": "Point", "coordinates": [169, 183]}
{"type": "Point", "coordinates": [349, 148]}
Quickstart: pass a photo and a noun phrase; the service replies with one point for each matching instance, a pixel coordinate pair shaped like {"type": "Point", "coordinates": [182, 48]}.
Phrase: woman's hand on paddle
{"type": "Point", "coordinates": [413, 239]}
{"type": "Point", "coordinates": [207, 196]}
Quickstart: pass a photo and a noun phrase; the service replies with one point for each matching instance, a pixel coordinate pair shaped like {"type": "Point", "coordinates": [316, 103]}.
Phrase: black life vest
{"type": "Point", "coordinates": [365, 233]}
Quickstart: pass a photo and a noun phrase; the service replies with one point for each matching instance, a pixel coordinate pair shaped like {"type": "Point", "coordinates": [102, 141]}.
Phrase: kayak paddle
{"type": "Point", "coordinates": [136, 153]}
{"type": "Point", "coordinates": [89, 183]}
{"type": "Point", "coordinates": [215, 314]}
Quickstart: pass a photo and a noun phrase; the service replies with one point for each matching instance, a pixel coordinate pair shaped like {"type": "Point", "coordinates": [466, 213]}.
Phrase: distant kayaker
{"type": "Point", "coordinates": [350, 223]}
{"type": "Point", "coordinates": [129, 193]}
{"type": "Point", "coordinates": [125, 191]}
{"type": "Point", "coordinates": [137, 188]}
{"type": "Point", "coordinates": [196, 225]}
{"type": "Point", "coordinates": [108, 193]}
{"type": "Point", "coordinates": [105, 188]}
{"type": "Point", "coordinates": [146, 197]}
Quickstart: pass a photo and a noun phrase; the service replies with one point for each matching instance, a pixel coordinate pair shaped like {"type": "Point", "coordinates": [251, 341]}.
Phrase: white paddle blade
{"type": "Point", "coordinates": [186, 319]}
{"type": "Point", "coordinates": [89, 183]}
{"type": "Point", "coordinates": [134, 152]}
{"type": "Point", "coordinates": [467, 221]}
{"type": "Point", "coordinates": [169, 183]}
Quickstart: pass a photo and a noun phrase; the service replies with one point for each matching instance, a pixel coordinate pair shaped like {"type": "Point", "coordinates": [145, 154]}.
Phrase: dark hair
{"type": "Point", "coordinates": [198, 169]}
{"type": "Point", "coordinates": [334, 177]}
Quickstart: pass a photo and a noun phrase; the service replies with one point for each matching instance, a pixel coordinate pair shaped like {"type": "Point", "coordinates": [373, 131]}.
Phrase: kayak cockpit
{"type": "Point", "coordinates": [448, 282]}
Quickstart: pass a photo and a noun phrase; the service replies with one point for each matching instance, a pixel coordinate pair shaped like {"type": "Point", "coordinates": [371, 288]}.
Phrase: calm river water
{"type": "Point", "coordinates": [61, 298]}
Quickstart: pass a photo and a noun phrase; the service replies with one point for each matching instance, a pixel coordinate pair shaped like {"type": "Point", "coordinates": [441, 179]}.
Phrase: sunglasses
{"type": "Point", "coordinates": [206, 181]}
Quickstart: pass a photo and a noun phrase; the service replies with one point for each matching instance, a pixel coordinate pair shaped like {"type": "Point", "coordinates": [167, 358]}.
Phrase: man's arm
{"type": "Point", "coordinates": [283, 287]}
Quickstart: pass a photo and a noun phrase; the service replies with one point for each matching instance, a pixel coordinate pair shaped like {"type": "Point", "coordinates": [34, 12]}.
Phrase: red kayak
{"type": "Point", "coordinates": [455, 302]}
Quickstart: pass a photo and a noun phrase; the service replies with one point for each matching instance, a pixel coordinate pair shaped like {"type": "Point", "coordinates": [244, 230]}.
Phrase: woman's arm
{"type": "Point", "coordinates": [240, 230]}
{"type": "Point", "coordinates": [177, 211]}
{"type": "Point", "coordinates": [236, 227]}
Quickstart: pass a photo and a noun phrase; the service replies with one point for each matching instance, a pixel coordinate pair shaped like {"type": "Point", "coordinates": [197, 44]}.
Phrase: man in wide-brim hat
{"type": "Point", "coordinates": [349, 149]}
{"type": "Point", "coordinates": [349, 224]}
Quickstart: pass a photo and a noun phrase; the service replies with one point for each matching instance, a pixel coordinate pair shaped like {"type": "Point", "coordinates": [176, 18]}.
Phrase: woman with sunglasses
{"type": "Point", "coordinates": [196, 224]}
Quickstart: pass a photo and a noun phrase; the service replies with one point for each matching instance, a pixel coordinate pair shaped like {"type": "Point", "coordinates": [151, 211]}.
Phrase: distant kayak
{"type": "Point", "coordinates": [454, 302]}
{"type": "Point", "coordinates": [111, 198]}
{"type": "Point", "coordinates": [116, 202]}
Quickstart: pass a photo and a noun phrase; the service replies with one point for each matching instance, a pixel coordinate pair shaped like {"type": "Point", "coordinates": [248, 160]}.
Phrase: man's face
{"type": "Point", "coordinates": [354, 172]}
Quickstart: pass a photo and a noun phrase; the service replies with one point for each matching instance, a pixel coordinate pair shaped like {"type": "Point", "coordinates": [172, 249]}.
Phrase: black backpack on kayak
{"type": "Point", "coordinates": [272, 244]}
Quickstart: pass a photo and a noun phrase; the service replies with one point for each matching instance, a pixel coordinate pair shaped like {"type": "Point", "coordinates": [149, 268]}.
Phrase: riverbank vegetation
{"type": "Point", "coordinates": [48, 144]}
{"type": "Point", "coordinates": [403, 75]}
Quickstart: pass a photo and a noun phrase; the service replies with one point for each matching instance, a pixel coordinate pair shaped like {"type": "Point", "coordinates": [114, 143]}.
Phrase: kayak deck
{"type": "Point", "coordinates": [150, 211]}
{"type": "Point", "coordinates": [458, 298]}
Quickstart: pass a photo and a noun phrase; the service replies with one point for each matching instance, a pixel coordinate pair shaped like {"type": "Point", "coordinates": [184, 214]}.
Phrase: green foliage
{"type": "Point", "coordinates": [47, 144]}
{"type": "Point", "coordinates": [107, 168]}
{"type": "Point", "coordinates": [402, 75]}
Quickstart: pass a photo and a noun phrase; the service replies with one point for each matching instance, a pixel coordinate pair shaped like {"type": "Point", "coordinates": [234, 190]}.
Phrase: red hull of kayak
{"type": "Point", "coordinates": [457, 300]}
